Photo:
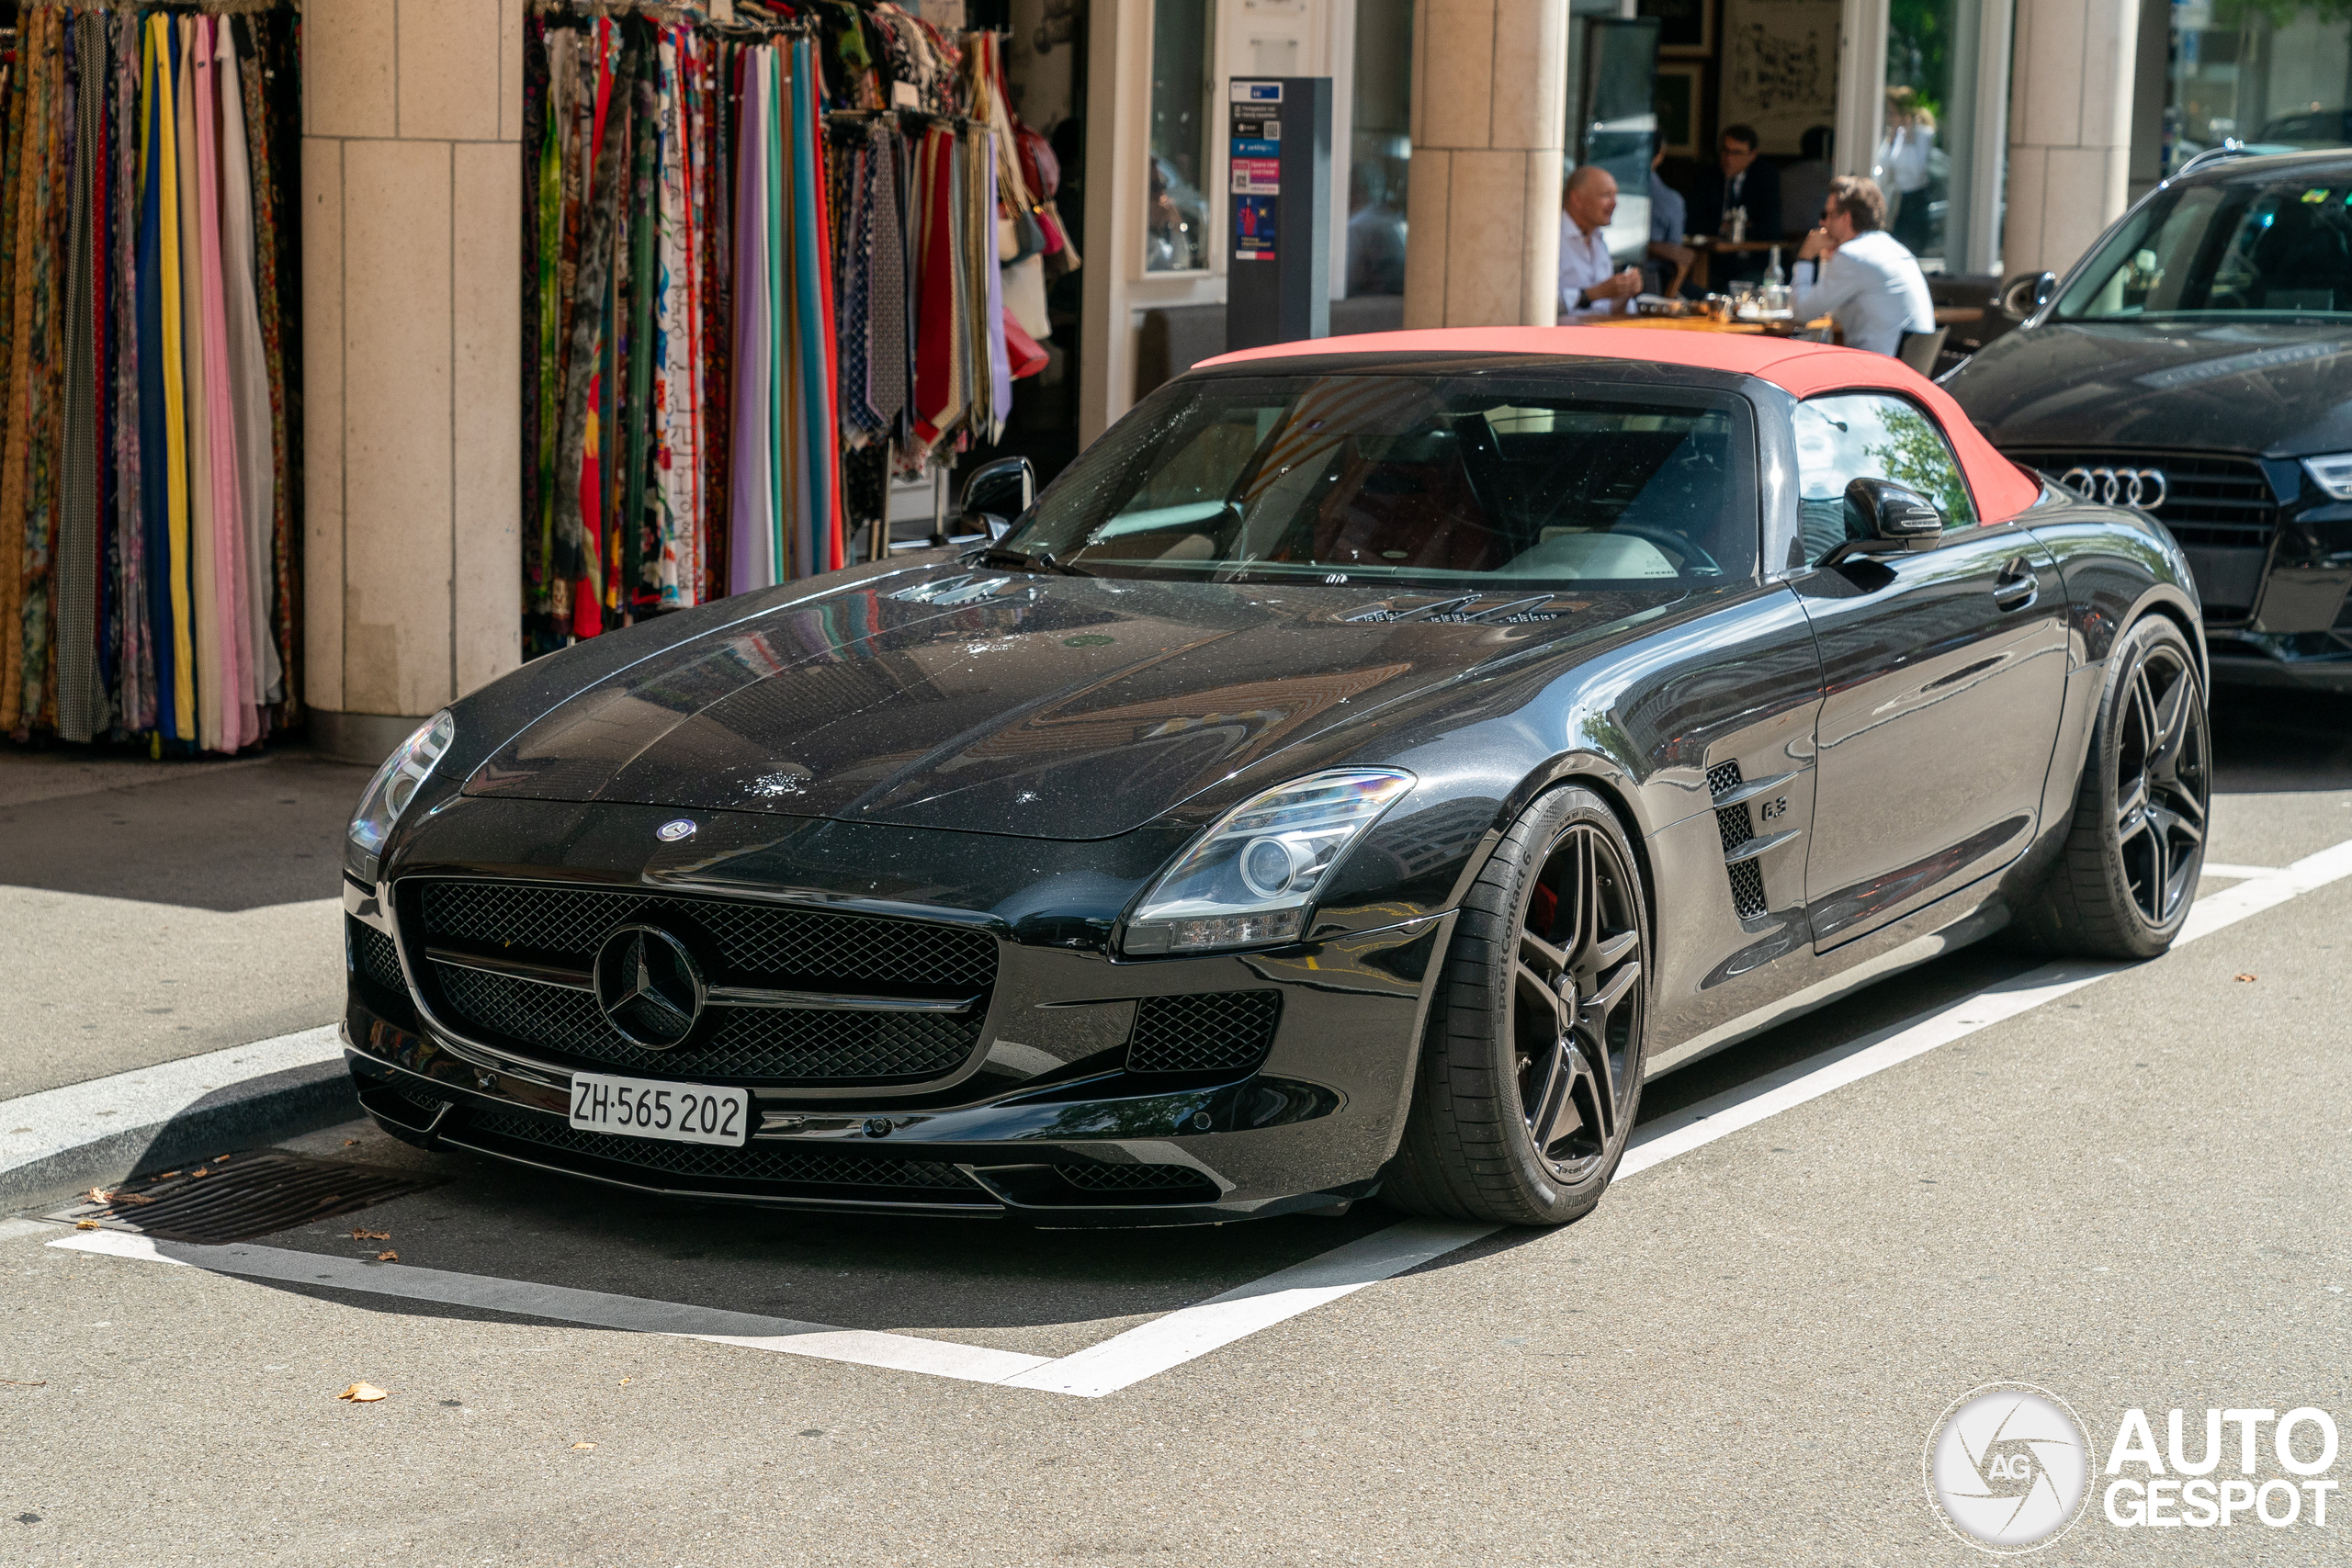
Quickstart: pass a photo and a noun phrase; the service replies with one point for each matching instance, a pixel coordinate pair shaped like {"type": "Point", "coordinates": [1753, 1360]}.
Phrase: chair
{"type": "Point", "coordinates": [1919, 350]}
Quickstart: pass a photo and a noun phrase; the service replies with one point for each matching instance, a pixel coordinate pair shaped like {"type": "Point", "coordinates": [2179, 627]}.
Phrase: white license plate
{"type": "Point", "coordinates": [652, 1108]}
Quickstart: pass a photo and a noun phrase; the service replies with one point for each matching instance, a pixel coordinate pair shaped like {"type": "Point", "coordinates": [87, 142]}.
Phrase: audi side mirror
{"type": "Point", "coordinates": [1888, 519]}
{"type": "Point", "coordinates": [2027, 292]}
{"type": "Point", "coordinates": [995, 493]}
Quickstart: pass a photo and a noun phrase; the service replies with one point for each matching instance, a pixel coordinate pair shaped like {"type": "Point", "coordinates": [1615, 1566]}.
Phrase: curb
{"type": "Point", "coordinates": [98, 1132]}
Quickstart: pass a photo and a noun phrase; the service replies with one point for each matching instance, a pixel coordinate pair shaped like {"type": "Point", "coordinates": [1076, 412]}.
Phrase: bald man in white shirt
{"type": "Point", "coordinates": [1590, 284]}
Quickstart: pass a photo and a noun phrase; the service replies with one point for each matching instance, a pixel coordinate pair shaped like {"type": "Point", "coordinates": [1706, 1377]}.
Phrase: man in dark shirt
{"type": "Point", "coordinates": [1742, 179]}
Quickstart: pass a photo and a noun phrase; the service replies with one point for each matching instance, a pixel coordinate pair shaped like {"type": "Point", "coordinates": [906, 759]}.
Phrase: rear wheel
{"type": "Point", "coordinates": [2124, 885]}
{"type": "Point", "coordinates": [1530, 1072]}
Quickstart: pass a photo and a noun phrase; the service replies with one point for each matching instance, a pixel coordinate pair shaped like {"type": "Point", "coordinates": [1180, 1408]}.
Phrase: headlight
{"type": "Point", "coordinates": [394, 785]}
{"type": "Point", "coordinates": [1253, 877]}
{"type": "Point", "coordinates": [2332, 473]}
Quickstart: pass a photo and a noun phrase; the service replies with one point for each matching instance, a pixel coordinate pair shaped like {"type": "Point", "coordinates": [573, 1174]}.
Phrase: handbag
{"type": "Point", "coordinates": [1022, 350]}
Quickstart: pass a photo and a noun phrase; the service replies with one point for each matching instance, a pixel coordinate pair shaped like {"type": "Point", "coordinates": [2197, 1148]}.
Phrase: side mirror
{"type": "Point", "coordinates": [2027, 292]}
{"type": "Point", "coordinates": [995, 493]}
{"type": "Point", "coordinates": [1893, 520]}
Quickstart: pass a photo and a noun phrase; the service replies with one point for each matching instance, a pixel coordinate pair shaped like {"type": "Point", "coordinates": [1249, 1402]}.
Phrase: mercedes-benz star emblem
{"type": "Point", "coordinates": [648, 986]}
{"type": "Point", "coordinates": [671, 832]}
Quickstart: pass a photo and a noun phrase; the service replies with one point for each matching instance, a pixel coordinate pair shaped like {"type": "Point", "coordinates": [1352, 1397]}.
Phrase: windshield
{"type": "Point", "coordinates": [1452, 481]}
{"type": "Point", "coordinates": [2237, 249]}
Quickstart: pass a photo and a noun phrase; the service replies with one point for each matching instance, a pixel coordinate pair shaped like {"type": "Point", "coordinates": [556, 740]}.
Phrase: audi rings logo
{"type": "Point", "coordinates": [2009, 1467]}
{"type": "Point", "coordinates": [2142, 488]}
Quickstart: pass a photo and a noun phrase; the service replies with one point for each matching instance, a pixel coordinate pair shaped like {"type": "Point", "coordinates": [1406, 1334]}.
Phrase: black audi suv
{"type": "Point", "coordinates": [2198, 364]}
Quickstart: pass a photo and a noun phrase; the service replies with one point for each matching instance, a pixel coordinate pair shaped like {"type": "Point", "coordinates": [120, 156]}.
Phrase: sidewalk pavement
{"type": "Point", "coordinates": [153, 911]}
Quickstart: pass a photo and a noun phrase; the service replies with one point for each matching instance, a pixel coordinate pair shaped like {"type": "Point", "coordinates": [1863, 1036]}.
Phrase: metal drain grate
{"type": "Point", "coordinates": [247, 1196]}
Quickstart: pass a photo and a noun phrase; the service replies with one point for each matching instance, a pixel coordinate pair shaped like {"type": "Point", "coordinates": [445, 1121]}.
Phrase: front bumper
{"type": "Point", "coordinates": [1045, 1125]}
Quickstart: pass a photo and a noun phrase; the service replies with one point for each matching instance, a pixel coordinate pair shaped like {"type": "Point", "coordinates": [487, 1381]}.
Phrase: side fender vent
{"type": "Point", "coordinates": [1736, 828]}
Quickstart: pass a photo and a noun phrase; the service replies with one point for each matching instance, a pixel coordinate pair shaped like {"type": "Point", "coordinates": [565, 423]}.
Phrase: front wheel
{"type": "Point", "coordinates": [1530, 1071]}
{"type": "Point", "coordinates": [2124, 885]}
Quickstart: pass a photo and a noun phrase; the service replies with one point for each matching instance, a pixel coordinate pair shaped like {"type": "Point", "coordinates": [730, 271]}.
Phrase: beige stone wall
{"type": "Point", "coordinates": [2070, 127]}
{"type": "Point", "coordinates": [412, 173]}
{"type": "Point", "coordinates": [1488, 117]}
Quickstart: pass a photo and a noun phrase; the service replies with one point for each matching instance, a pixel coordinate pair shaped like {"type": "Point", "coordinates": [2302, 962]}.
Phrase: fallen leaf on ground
{"type": "Point", "coordinates": [2246, 977]}
{"type": "Point", "coordinates": [200, 1170]}
{"type": "Point", "coordinates": [98, 1195]}
{"type": "Point", "coordinates": [351, 1142]}
{"type": "Point", "coordinates": [362, 1394]}
{"type": "Point", "coordinates": [583, 1445]}
{"type": "Point", "coordinates": [361, 1233]}
{"type": "Point", "coordinates": [387, 1255]}
{"type": "Point", "coordinates": [86, 1224]}
{"type": "Point", "coordinates": [130, 1200]}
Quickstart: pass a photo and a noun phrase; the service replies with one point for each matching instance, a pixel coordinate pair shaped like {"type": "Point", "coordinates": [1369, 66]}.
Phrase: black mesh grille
{"type": "Point", "coordinates": [742, 944]}
{"type": "Point", "coordinates": [1732, 823]}
{"type": "Point", "coordinates": [1722, 778]}
{"type": "Point", "coordinates": [2208, 499]}
{"type": "Point", "coordinates": [378, 959]}
{"type": "Point", "coordinates": [1746, 890]}
{"type": "Point", "coordinates": [760, 942]}
{"type": "Point", "coordinates": [756, 1044]}
{"type": "Point", "coordinates": [751, 1163]}
{"type": "Point", "coordinates": [1138, 1179]}
{"type": "Point", "coordinates": [1218, 1032]}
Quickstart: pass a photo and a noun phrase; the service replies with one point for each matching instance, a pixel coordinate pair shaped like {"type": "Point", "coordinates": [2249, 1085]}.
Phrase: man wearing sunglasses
{"type": "Point", "coordinates": [1851, 270]}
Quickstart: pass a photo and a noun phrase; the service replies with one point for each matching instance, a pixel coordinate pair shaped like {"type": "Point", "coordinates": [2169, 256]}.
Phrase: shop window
{"type": "Point", "coordinates": [2270, 73]}
{"type": "Point", "coordinates": [1176, 233]}
{"type": "Point", "coordinates": [1380, 146]}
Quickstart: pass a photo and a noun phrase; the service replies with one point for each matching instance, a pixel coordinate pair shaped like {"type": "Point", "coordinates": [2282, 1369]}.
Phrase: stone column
{"type": "Point", "coordinates": [1488, 117]}
{"type": "Point", "coordinates": [412, 318]}
{"type": "Point", "coordinates": [2070, 128]}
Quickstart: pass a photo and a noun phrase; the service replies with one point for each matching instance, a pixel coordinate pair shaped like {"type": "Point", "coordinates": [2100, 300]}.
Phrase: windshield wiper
{"type": "Point", "coordinates": [1024, 560]}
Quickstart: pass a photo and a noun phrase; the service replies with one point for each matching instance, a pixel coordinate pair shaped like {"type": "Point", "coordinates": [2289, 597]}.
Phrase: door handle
{"type": "Point", "coordinates": [2017, 587]}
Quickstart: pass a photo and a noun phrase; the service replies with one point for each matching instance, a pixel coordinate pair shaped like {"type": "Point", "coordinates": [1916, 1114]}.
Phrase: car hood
{"type": "Point", "coordinates": [2279, 389]}
{"type": "Point", "coordinates": [1041, 706]}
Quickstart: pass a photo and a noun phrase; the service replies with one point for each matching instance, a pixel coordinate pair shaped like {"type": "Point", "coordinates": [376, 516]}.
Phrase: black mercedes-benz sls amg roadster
{"type": "Point", "coordinates": [1358, 773]}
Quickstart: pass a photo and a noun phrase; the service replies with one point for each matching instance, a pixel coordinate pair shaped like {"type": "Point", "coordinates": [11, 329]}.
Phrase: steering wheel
{"type": "Point", "coordinates": [1688, 552]}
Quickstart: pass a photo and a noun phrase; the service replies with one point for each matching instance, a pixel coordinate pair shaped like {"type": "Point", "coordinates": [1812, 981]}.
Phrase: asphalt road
{"type": "Point", "coordinates": [2133, 1196]}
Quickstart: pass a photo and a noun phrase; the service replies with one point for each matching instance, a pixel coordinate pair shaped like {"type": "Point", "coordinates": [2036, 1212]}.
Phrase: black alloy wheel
{"type": "Point", "coordinates": [2136, 846]}
{"type": "Point", "coordinates": [1530, 1071]}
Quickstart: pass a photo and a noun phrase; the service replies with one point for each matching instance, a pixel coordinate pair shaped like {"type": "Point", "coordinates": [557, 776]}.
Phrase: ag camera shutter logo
{"type": "Point", "coordinates": [2007, 1468]}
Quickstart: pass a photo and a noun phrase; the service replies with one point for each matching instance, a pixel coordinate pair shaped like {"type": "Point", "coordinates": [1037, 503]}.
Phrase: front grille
{"type": "Point", "coordinates": [741, 943]}
{"type": "Point", "coordinates": [1218, 1032]}
{"type": "Point", "coordinates": [750, 1163]}
{"type": "Point", "coordinates": [379, 961]}
{"type": "Point", "coordinates": [1160, 1179]}
{"type": "Point", "coordinates": [756, 1044]}
{"type": "Point", "coordinates": [750, 942]}
{"type": "Point", "coordinates": [2210, 500]}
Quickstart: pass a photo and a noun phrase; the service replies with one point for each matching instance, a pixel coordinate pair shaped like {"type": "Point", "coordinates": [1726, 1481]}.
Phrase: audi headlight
{"type": "Point", "coordinates": [1253, 877]}
{"type": "Point", "coordinates": [2332, 473]}
{"type": "Point", "coordinates": [394, 785]}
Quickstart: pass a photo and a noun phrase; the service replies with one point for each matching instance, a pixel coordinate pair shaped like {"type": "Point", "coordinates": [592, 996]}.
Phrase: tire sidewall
{"type": "Point", "coordinates": [1530, 843]}
{"type": "Point", "coordinates": [2130, 652]}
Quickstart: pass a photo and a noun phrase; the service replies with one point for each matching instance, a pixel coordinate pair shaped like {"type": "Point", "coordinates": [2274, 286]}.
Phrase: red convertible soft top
{"type": "Point", "coordinates": [2002, 489]}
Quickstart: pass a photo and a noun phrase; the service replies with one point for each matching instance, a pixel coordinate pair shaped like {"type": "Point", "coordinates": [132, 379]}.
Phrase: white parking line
{"type": "Point", "coordinates": [1192, 1332]}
